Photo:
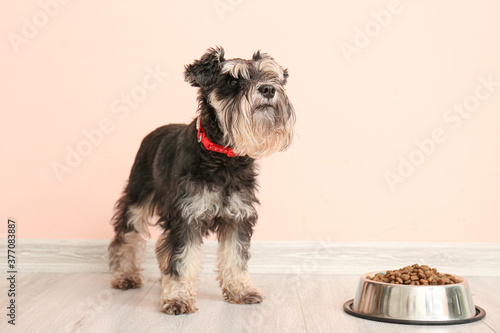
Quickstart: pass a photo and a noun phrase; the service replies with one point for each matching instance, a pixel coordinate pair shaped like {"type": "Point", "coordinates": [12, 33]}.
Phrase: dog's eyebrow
{"type": "Point", "coordinates": [269, 66]}
{"type": "Point", "coordinates": [237, 69]}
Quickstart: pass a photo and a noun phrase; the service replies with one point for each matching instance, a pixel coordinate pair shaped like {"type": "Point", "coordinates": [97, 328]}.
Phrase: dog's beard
{"type": "Point", "coordinates": [255, 126]}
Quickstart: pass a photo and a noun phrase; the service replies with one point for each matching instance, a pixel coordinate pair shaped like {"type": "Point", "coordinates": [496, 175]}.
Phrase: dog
{"type": "Point", "coordinates": [200, 178]}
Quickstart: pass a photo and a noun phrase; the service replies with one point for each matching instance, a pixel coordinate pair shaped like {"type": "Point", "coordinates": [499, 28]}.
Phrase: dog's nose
{"type": "Point", "coordinates": [267, 91]}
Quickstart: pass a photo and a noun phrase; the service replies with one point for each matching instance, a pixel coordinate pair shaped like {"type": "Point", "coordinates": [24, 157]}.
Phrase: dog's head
{"type": "Point", "coordinates": [249, 99]}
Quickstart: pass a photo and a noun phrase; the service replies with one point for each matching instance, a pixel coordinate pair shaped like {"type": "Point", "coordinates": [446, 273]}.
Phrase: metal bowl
{"type": "Point", "coordinates": [405, 304]}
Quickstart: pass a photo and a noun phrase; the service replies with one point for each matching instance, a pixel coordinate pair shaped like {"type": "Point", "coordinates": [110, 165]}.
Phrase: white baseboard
{"type": "Point", "coordinates": [467, 259]}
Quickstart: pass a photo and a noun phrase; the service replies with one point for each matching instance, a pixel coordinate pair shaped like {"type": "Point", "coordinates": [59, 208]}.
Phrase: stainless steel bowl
{"type": "Point", "coordinates": [442, 304]}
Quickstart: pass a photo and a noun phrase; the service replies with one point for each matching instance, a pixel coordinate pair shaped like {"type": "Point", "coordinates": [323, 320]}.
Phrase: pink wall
{"type": "Point", "coordinates": [383, 90]}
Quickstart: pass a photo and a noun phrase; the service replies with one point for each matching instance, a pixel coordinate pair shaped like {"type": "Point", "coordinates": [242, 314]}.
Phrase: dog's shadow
{"type": "Point", "coordinates": [209, 296]}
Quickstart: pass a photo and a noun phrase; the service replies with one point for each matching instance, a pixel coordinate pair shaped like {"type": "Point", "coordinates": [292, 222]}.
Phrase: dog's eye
{"type": "Point", "coordinates": [233, 82]}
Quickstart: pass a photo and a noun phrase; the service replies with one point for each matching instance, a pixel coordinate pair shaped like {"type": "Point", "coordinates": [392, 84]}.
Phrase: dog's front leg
{"type": "Point", "coordinates": [232, 257]}
{"type": "Point", "coordinates": [178, 254]}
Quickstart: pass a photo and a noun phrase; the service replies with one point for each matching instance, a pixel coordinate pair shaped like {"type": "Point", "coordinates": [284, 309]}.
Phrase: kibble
{"type": "Point", "coordinates": [415, 275]}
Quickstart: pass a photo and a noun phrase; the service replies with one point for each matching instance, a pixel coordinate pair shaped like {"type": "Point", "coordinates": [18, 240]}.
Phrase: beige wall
{"type": "Point", "coordinates": [398, 111]}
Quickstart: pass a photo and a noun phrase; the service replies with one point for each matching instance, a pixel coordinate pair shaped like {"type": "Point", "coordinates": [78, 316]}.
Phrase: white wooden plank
{"type": "Point", "coordinates": [469, 259]}
{"type": "Point", "coordinates": [55, 302]}
{"type": "Point", "coordinates": [322, 299]}
{"type": "Point", "coordinates": [280, 312]}
{"type": "Point", "coordinates": [485, 292]}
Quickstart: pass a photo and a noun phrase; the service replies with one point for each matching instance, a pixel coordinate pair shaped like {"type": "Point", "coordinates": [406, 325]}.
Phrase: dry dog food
{"type": "Point", "coordinates": [415, 275]}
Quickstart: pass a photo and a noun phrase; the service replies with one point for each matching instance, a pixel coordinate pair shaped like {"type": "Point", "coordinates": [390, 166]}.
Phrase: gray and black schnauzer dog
{"type": "Point", "coordinates": [201, 178]}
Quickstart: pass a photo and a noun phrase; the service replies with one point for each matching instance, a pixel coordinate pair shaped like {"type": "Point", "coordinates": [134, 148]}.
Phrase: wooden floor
{"type": "Point", "coordinates": [82, 302]}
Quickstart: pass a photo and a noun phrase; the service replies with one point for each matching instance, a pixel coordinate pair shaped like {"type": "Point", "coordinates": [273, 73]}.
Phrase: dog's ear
{"type": "Point", "coordinates": [259, 55]}
{"type": "Point", "coordinates": [256, 56]}
{"type": "Point", "coordinates": [205, 71]}
{"type": "Point", "coordinates": [285, 75]}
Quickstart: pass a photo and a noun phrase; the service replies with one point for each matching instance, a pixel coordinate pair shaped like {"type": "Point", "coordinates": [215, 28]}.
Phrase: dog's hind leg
{"type": "Point", "coordinates": [127, 248]}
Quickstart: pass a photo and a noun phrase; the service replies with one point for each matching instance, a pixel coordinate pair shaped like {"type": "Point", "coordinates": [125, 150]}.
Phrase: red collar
{"type": "Point", "coordinates": [209, 145]}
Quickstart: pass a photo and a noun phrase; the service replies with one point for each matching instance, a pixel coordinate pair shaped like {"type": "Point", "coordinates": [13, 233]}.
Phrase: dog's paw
{"type": "Point", "coordinates": [250, 296]}
{"type": "Point", "coordinates": [121, 281]}
{"type": "Point", "coordinates": [178, 306]}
